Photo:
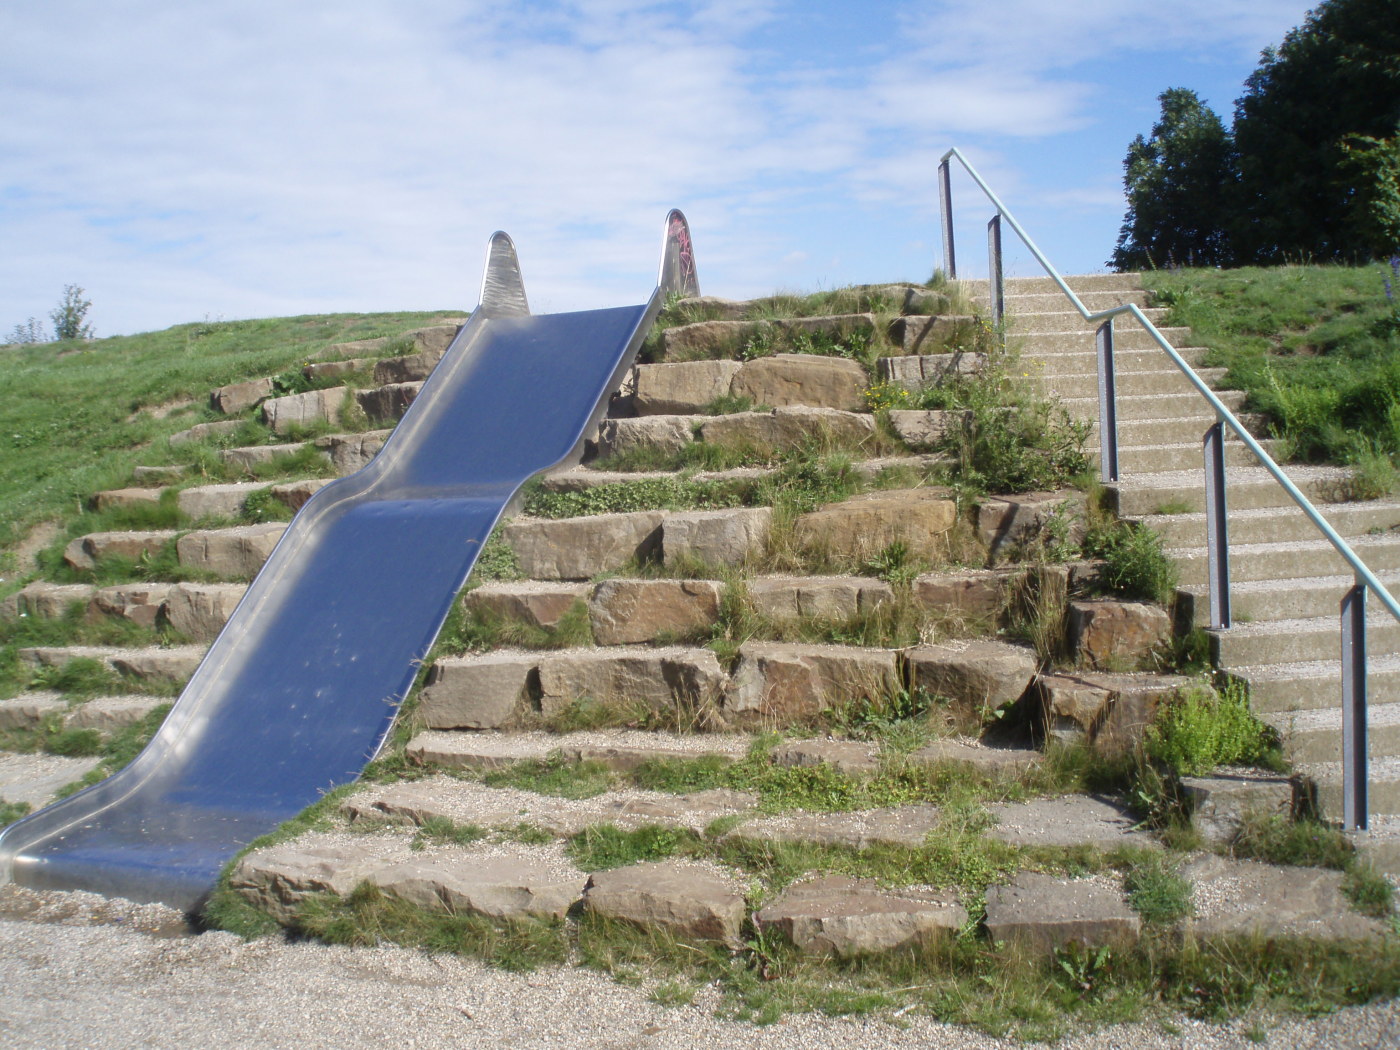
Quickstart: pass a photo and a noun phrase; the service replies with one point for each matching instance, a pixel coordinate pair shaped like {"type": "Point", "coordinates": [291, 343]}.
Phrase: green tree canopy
{"type": "Point", "coordinates": [1179, 183]}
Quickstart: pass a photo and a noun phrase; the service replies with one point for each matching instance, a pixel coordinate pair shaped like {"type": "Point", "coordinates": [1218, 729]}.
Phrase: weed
{"type": "Point", "coordinates": [603, 846]}
{"type": "Point", "coordinates": [1157, 892]}
{"type": "Point", "coordinates": [1276, 839]}
{"type": "Point", "coordinates": [12, 811]}
{"type": "Point", "coordinates": [1200, 729]}
{"type": "Point", "coordinates": [1135, 565]}
{"type": "Point", "coordinates": [1369, 891]}
{"type": "Point", "coordinates": [438, 830]}
{"type": "Point", "coordinates": [497, 560]}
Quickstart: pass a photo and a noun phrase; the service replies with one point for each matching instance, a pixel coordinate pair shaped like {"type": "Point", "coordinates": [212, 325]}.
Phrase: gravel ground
{"type": "Point", "coordinates": [93, 974]}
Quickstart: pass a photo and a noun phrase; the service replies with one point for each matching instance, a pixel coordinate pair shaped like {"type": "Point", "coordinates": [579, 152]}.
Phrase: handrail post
{"type": "Point", "coordinates": [1217, 534]}
{"type": "Point", "coordinates": [945, 208]}
{"type": "Point", "coordinates": [1354, 751]}
{"type": "Point", "coordinates": [1108, 404]}
{"type": "Point", "coordinates": [996, 281]}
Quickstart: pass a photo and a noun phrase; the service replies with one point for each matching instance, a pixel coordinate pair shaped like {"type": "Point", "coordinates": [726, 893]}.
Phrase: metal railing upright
{"type": "Point", "coordinates": [1353, 603]}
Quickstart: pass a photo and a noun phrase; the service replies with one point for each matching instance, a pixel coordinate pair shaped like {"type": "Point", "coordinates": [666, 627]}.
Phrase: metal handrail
{"type": "Point", "coordinates": [1353, 605]}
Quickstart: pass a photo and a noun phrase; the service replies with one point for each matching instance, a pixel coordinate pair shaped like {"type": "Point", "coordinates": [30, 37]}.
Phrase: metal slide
{"type": "Point", "coordinates": [300, 690]}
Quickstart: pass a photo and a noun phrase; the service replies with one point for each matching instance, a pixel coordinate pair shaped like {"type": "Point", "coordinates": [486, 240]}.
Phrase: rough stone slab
{"type": "Point", "coordinates": [235, 398]}
{"type": "Point", "coordinates": [687, 682]}
{"type": "Point", "coordinates": [802, 379]}
{"type": "Point", "coordinates": [158, 666]}
{"type": "Point", "coordinates": [237, 552]}
{"type": "Point", "coordinates": [138, 602]}
{"type": "Point", "coordinates": [1247, 898]}
{"type": "Point", "coordinates": [686, 899]}
{"type": "Point", "coordinates": [114, 498]}
{"type": "Point", "coordinates": [845, 917]}
{"type": "Point", "coordinates": [294, 494]}
{"type": "Point", "coordinates": [107, 714]}
{"type": "Point", "coordinates": [86, 551]}
{"type": "Point", "coordinates": [581, 548]}
{"type": "Point", "coordinates": [893, 826]}
{"type": "Point", "coordinates": [485, 751]}
{"type": "Point", "coordinates": [413, 368]}
{"type": "Point", "coordinates": [845, 756]}
{"type": "Point", "coordinates": [1011, 525]}
{"type": "Point", "coordinates": [1069, 820]}
{"type": "Point", "coordinates": [623, 751]}
{"type": "Point", "coordinates": [335, 369]}
{"type": "Point", "coordinates": [861, 527]}
{"type": "Point", "coordinates": [1110, 710]}
{"type": "Point", "coordinates": [683, 388]}
{"type": "Point", "coordinates": [715, 537]}
{"type": "Point", "coordinates": [778, 683]}
{"type": "Point", "coordinates": [977, 595]}
{"type": "Point", "coordinates": [216, 501]}
{"type": "Point", "coordinates": [707, 339]}
{"type": "Point", "coordinates": [250, 458]}
{"type": "Point", "coordinates": [694, 812]}
{"type": "Point", "coordinates": [488, 691]}
{"type": "Point", "coordinates": [223, 428]}
{"type": "Point", "coordinates": [787, 427]}
{"type": "Point", "coordinates": [537, 603]}
{"type": "Point", "coordinates": [29, 711]}
{"type": "Point", "coordinates": [920, 370]}
{"type": "Point", "coordinates": [1117, 635]}
{"type": "Point", "coordinates": [924, 429]}
{"type": "Point", "coordinates": [921, 334]}
{"type": "Point", "coordinates": [51, 601]}
{"type": "Point", "coordinates": [626, 612]}
{"type": "Point", "coordinates": [496, 887]}
{"type": "Point", "coordinates": [36, 779]}
{"type": "Point", "coordinates": [1072, 708]}
{"type": "Point", "coordinates": [830, 598]}
{"type": "Point", "coordinates": [657, 433]}
{"type": "Point", "coordinates": [387, 402]}
{"type": "Point", "coordinates": [1043, 912]}
{"type": "Point", "coordinates": [996, 760]}
{"type": "Point", "coordinates": [300, 410]}
{"type": "Point", "coordinates": [435, 338]}
{"type": "Point", "coordinates": [1219, 804]}
{"type": "Point", "coordinates": [277, 879]}
{"type": "Point", "coordinates": [199, 610]}
{"type": "Point", "coordinates": [349, 452]}
{"type": "Point", "coordinates": [980, 676]}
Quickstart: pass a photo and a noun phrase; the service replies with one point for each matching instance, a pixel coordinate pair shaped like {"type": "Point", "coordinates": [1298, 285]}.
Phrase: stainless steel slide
{"type": "Point", "coordinates": [300, 690]}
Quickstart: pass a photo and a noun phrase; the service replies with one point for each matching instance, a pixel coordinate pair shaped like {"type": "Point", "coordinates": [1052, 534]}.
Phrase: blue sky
{"type": "Point", "coordinates": [248, 159]}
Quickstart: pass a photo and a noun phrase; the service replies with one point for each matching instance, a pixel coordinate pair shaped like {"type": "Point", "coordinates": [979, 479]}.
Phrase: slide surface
{"type": "Point", "coordinates": [300, 690]}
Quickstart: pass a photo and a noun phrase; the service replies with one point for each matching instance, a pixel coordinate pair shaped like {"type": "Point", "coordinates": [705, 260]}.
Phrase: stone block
{"type": "Point", "coordinates": [846, 756]}
{"type": "Point", "coordinates": [490, 691]}
{"type": "Point", "coordinates": [860, 528]}
{"type": "Point", "coordinates": [115, 498]}
{"type": "Point", "coordinates": [829, 598]}
{"type": "Point", "coordinates": [349, 452]}
{"type": "Point", "coordinates": [1117, 636]}
{"type": "Point", "coordinates": [926, 429]}
{"type": "Point", "coordinates": [215, 501]}
{"type": "Point", "coordinates": [845, 917]}
{"type": "Point", "coordinates": [581, 548]}
{"type": "Point", "coordinates": [686, 899]}
{"type": "Point", "coordinates": [199, 610]}
{"type": "Point", "coordinates": [788, 427]}
{"type": "Point", "coordinates": [1110, 711]}
{"type": "Point", "coordinates": [931, 336]}
{"type": "Point", "coordinates": [530, 602]}
{"type": "Point", "coordinates": [86, 551]}
{"type": "Point", "coordinates": [664, 435]}
{"type": "Point", "coordinates": [1012, 526]}
{"type": "Point", "coordinates": [1220, 804]}
{"type": "Point", "coordinates": [626, 612]}
{"type": "Point", "coordinates": [715, 537]}
{"type": "Point", "coordinates": [387, 402]}
{"type": "Point", "coordinates": [917, 371]}
{"type": "Point", "coordinates": [294, 494]}
{"type": "Point", "coordinates": [138, 602]}
{"type": "Point", "coordinates": [27, 713]}
{"type": "Point", "coordinates": [434, 339]}
{"type": "Point", "coordinates": [707, 339]}
{"type": "Point", "coordinates": [684, 683]}
{"type": "Point", "coordinates": [157, 666]}
{"type": "Point", "coordinates": [109, 714]}
{"type": "Point", "coordinates": [496, 887]}
{"type": "Point", "coordinates": [778, 683]}
{"type": "Point", "coordinates": [1044, 912]}
{"type": "Point", "coordinates": [979, 676]}
{"type": "Point", "coordinates": [997, 761]}
{"type": "Point", "coordinates": [1243, 898]}
{"type": "Point", "coordinates": [277, 879]}
{"type": "Point", "coordinates": [413, 368]}
{"type": "Point", "coordinates": [283, 414]}
{"type": "Point", "coordinates": [255, 456]}
{"type": "Point", "coordinates": [49, 601]}
{"type": "Point", "coordinates": [235, 398]}
{"type": "Point", "coordinates": [335, 369]}
{"type": "Point", "coordinates": [219, 430]}
{"type": "Point", "coordinates": [802, 379]}
{"type": "Point", "coordinates": [681, 388]}
{"type": "Point", "coordinates": [976, 595]}
{"type": "Point", "coordinates": [236, 553]}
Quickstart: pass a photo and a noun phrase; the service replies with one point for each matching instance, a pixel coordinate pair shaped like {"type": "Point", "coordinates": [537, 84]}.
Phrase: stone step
{"type": "Point", "coordinates": [1151, 406]}
{"type": "Point", "coordinates": [580, 478]}
{"type": "Point", "coordinates": [1379, 844]}
{"type": "Point", "coordinates": [36, 779]}
{"type": "Point", "coordinates": [1181, 430]}
{"type": "Point", "coordinates": [197, 611]}
{"type": "Point", "coordinates": [1080, 283]}
{"type": "Point", "coordinates": [154, 665]}
{"type": "Point", "coordinates": [1298, 558]}
{"type": "Point", "coordinates": [1383, 790]}
{"type": "Point", "coordinates": [1163, 381]}
{"type": "Point", "coordinates": [1074, 362]}
{"type": "Point", "coordinates": [1285, 599]}
{"type": "Point", "coordinates": [252, 457]}
{"type": "Point", "coordinates": [1125, 337]}
{"type": "Point", "coordinates": [1069, 320]}
{"type": "Point", "coordinates": [1316, 736]}
{"type": "Point", "coordinates": [1046, 302]}
{"type": "Point", "coordinates": [1296, 641]}
{"type": "Point", "coordinates": [106, 714]}
{"type": "Point", "coordinates": [1313, 684]}
{"type": "Point", "coordinates": [1249, 488]}
{"type": "Point", "coordinates": [1277, 524]}
{"type": "Point", "coordinates": [1157, 459]}
{"type": "Point", "coordinates": [621, 750]}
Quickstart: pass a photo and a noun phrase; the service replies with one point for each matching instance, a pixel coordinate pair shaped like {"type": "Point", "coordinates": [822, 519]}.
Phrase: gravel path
{"type": "Point", "coordinates": [93, 975]}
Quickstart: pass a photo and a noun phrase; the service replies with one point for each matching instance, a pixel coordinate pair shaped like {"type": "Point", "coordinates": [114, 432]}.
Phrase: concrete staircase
{"type": "Point", "coordinates": [1286, 581]}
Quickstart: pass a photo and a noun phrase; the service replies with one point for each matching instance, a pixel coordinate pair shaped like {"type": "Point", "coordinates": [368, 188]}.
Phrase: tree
{"type": "Point", "coordinates": [1316, 131]}
{"type": "Point", "coordinates": [1179, 185]}
{"type": "Point", "coordinates": [68, 315]}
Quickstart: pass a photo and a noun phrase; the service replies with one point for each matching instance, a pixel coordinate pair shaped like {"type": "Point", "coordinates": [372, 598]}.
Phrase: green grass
{"type": "Point", "coordinates": [12, 811]}
{"type": "Point", "coordinates": [1309, 344]}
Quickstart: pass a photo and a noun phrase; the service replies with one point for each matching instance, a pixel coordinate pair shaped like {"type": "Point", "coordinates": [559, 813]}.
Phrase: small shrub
{"type": "Point", "coordinates": [1135, 565]}
{"type": "Point", "coordinates": [1200, 729]}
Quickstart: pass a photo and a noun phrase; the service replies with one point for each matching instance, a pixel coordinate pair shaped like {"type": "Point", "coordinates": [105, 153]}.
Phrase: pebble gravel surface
{"type": "Point", "coordinates": [81, 972]}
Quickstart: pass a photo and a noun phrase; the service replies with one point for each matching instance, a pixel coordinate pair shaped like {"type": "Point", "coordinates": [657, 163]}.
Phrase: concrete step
{"type": "Point", "coordinates": [1081, 283]}
{"type": "Point", "coordinates": [1250, 487]}
{"type": "Point", "coordinates": [1152, 406]}
{"type": "Point", "coordinates": [1127, 336]}
{"type": "Point", "coordinates": [1255, 601]}
{"type": "Point", "coordinates": [1296, 641]}
{"type": "Point", "coordinates": [1383, 793]}
{"type": "Point", "coordinates": [1274, 561]}
{"type": "Point", "coordinates": [1069, 320]}
{"type": "Point", "coordinates": [1310, 684]}
{"type": "Point", "coordinates": [1316, 736]}
{"type": "Point", "coordinates": [1181, 430]}
{"type": "Point", "coordinates": [1278, 524]}
{"type": "Point", "coordinates": [1074, 362]}
{"type": "Point", "coordinates": [1162, 381]}
{"type": "Point", "coordinates": [1048, 302]}
{"type": "Point", "coordinates": [1155, 459]}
